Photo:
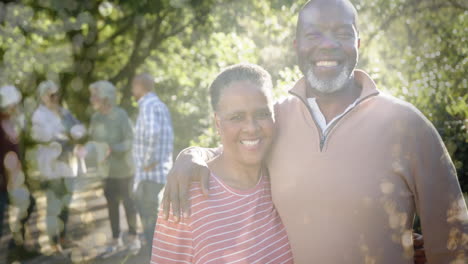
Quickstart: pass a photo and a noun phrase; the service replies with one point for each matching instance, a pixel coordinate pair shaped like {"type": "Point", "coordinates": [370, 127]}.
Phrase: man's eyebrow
{"type": "Point", "coordinates": [310, 28]}
{"type": "Point", "coordinates": [333, 25]}
{"type": "Point", "coordinates": [350, 26]}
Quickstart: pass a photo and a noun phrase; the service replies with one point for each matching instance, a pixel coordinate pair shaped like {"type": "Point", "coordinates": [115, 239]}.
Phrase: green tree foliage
{"type": "Point", "coordinates": [416, 50]}
{"type": "Point", "coordinates": [76, 42]}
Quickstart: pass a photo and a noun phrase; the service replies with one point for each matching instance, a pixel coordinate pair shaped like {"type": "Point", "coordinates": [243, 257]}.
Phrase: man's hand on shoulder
{"type": "Point", "coordinates": [190, 166]}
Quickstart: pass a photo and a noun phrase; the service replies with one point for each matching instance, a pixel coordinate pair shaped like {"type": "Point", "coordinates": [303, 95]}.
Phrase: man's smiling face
{"type": "Point", "coordinates": [327, 44]}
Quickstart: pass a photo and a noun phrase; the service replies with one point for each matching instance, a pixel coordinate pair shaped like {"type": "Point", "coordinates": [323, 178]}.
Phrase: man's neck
{"type": "Point", "coordinates": [143, 95]}
{"type": "Point", "coordinates": [53, 108]}
{"type": "Point", "coordinates": [333, 104]}
{"type": "Point", "coordinates": [105, 110]}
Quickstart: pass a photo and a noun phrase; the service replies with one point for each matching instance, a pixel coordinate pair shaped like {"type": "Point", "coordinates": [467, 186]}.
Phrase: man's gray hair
{"type": "Point", "coordinates": [46, 87]}
{"type": "Point", "coordinates": [146, 80]}
{"type": "Point", "coordinates": [105, 90]}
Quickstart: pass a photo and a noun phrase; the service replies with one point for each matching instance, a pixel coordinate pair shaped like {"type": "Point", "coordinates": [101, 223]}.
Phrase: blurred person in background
{"type": "Point", "coordinates": [110, 124]}
{"type": "Point", "coordinates": [51, 129]}
{"type": "Point", "coordinates": [13, 187]}
{"type": "Point", "coordinates": [152, 151]}
{"type": "Point", "coordinates": [10, 97]}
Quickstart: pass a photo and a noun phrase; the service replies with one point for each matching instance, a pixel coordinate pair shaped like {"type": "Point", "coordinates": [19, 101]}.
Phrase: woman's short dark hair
{"type": "Point", "coordinates": [240, 72]}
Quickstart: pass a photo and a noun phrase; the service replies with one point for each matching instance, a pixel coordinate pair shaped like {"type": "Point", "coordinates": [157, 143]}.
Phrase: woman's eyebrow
{"type": "Point", "coordinates": [266, 108]}
{"type": "Point", "coordinates": [235, 112]}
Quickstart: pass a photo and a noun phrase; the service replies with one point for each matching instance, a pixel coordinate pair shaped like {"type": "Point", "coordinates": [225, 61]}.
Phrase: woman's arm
{"type": "Point", "coordinates": [127, 132]}
{"type": "Point", "coordinates": [172, 242]}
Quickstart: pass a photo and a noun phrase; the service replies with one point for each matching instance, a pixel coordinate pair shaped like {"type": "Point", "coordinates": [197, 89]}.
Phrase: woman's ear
{"type": "Point", "coordinates": [217, 123]}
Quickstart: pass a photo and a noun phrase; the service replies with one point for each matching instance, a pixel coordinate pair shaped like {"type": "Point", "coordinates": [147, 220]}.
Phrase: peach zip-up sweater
{"type": "Point", "coordinates": [351, 197]}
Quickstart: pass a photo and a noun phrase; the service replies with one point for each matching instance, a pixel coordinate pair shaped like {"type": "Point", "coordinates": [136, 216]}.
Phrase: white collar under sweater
{"type": "Point", "coordinates": [320, 118]}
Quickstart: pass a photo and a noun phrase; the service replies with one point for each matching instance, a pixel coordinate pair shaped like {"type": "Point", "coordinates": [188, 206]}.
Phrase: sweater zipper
{"type": "Point", "coordinates": [322, 142]}
{"type": "Point", "coordinates": [324, 137]}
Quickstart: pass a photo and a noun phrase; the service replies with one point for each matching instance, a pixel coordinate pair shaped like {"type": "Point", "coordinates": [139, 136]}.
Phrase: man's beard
{"type": "Point", "coordinates": [332, 85]}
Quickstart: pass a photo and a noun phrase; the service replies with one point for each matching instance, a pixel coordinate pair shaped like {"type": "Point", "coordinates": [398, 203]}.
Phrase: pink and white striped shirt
{"type": "Point", "coordinates": [231, 226]}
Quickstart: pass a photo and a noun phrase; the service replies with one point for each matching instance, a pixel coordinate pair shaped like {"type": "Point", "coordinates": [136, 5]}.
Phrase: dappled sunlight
{"type": "Point", "coordinates": [66, 148]}
{"type": "Point", "coordinates": [367, 253]}
{"type": "Point", "coordinates": [400, 216]}
{"type": "Point", "coordinates": [457, 211]}
{"type": "Point", "coordinates": [387, 187]}
{"type": "Point", "coordinates": [455, 239]}
{"type": "Point", "coordinates": [76, 255]}
{"type": "Point", "coordinates": [399, 223]}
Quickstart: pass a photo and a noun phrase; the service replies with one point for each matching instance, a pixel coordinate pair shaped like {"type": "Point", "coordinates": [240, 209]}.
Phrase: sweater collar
{"type": "Point", "coordinates": [369, 87]}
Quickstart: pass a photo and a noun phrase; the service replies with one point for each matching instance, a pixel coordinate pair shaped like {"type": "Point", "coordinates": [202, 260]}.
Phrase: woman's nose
{"type": "Point", "coordinates": [251, 125]}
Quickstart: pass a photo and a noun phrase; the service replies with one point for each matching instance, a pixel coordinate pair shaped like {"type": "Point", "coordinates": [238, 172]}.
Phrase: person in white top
{"type": "Point", "coordinates": [51, 129]}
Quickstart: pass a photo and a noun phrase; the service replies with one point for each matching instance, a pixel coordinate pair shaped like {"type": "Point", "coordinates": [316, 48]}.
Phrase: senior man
{"type": "Point", "coordinates": [351, 166]}
{"type": "Point", "coordinates": [152, 151]}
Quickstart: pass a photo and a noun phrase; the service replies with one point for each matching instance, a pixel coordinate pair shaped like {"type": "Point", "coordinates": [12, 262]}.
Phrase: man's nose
{"type": "Point", "coordinates": [329, 42]}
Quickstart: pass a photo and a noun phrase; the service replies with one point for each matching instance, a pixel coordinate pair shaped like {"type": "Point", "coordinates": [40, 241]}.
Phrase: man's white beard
{"type": "Point", "coordinates": [329, 86]}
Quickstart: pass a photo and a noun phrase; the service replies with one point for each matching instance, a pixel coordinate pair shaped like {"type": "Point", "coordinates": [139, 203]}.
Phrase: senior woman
{"type": "Point", "coordinates": [51, 129]}
{"type": "Point", "coordinates": [238, 222]}
{"type": "Point", "coordinates": [110, 124]}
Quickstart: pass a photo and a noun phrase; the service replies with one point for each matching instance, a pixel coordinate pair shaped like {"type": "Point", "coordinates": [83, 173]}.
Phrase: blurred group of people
{"type": "Point", "coordinates": [133, 160]}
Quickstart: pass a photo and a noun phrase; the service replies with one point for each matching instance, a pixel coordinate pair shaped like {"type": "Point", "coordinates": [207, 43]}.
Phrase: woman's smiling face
{"type": "Point", "coordinates": [244, 119]}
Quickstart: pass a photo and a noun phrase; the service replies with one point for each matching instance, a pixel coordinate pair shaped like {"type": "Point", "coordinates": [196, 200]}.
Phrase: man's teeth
{"type": "Point", "coordinates": [250, 142]}
{"type": "Point", "coordinates": [326, 63]}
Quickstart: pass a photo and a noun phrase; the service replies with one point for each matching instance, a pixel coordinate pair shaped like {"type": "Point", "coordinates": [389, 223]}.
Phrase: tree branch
{"type": "Point", "coordinates": [140, 54]}
{"type": "Point", "coordinates": [456, 4]}
{"type": "Point", "coordinates": [417, 7]}
{"type": "Point", "coordinates": [118, 32]}
{"type": "Point", "coordinates": [133, 56]}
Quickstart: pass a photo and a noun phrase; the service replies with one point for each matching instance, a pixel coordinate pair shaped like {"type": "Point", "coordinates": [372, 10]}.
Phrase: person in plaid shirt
{"type": "Point", "coordinates": [152, 151]}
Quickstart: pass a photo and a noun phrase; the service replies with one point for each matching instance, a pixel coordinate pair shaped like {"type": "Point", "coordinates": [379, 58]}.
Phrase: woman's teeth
{"type": "Point", "coordinates": [250, 142]}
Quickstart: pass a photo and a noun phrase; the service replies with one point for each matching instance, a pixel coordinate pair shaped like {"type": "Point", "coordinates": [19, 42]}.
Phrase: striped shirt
{"type": "Point", "coordinates": [231, 226]}
{"type": "Point", "coordinates": [154, 139]}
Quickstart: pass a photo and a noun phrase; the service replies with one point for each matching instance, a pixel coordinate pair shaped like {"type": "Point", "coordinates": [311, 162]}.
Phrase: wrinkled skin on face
{"type": "Point", "coordinates": [244, 119]}
{"type": "Point", "coordinates": [327, 45]}
{"type": "Point", "coordinates": [51, 100]}
{"type": "Point", "coordinates": [96, 102]}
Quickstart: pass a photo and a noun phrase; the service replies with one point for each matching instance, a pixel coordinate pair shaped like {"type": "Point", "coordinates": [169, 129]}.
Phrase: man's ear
{"type": "Point", "coordinates": [359, 42]}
